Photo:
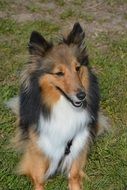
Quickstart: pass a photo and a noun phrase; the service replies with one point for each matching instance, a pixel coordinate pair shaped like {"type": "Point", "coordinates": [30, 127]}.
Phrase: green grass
{"type": "Point", "coordinates": [72, 13]}
{"type": "Point", "coordinates": [107, 163]}
{"type": "Point", "coordinates": [33, 8]}
{"type": "Point", "coordinates": [67, 14]}
{"type": "Point", "coordinates": [115, 2]}
{"type": "Point", "coordinates": [87, 17]}
{"type": "Point", "coordinates": [4, 5]}
{"type": "Point", "coordinates": [60, 2]}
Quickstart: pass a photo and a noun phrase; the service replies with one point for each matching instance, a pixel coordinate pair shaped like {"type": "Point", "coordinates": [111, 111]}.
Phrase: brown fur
{"type": "Point", "coordinates": [49, 92]}
{"type": "Point", "coordinates": [84, 77]}
{"type": "Point", "coordinates": [76, 173]}
{"type": "Point", "coordinates": [34, 163]}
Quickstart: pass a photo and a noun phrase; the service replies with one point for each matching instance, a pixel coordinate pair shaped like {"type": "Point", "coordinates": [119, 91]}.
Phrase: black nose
{"type": "Point", "coordinates": [81, 95]}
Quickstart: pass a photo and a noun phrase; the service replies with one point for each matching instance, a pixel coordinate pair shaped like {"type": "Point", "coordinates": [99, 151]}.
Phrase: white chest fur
{"type": "Point", "coordinates": [66, 123]}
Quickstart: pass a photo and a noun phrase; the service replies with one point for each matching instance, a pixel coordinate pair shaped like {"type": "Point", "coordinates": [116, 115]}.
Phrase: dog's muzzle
{"type": "Point", "coordinates": [78, 100]}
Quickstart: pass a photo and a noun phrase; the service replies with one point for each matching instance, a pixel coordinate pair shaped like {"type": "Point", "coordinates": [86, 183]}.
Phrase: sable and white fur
{"type": "Point", "coordinates": [51, 112]}
{"type": "Point", "coordinates": [66, 123]}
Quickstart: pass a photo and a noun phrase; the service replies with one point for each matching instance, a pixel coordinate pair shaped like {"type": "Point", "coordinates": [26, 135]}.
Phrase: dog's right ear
{"type": "Point", "coordinates": [38, 45]}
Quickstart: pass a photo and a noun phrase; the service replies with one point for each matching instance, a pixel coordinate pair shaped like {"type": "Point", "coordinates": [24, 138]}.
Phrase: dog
{"type": "Point", "coordinates": [58, 109]}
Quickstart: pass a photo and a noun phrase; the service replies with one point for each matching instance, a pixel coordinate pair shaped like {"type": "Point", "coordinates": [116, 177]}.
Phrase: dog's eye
{"type": "Point", "coordinates": [59, 74]}
{"type": "Point", "coordinates": [77, 68]}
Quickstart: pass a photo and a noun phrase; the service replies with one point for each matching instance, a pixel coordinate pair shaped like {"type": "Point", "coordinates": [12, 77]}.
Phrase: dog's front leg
{"type": "Point", "coordinates": [34, 165]}
{"type": "Point", "coordinates": [75, 177]}
{"type": "Point", "coordinates": [39, 187]}
{"type": "Point", "coordinates": [76, 173]}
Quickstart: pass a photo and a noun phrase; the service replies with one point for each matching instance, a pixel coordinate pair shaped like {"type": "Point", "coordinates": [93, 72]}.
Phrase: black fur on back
{"type": "Point", "coordinates": [93, 102]}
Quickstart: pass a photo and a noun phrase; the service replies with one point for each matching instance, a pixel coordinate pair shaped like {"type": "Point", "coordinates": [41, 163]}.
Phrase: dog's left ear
{"type": "Point", "coordinates": [76, 36]}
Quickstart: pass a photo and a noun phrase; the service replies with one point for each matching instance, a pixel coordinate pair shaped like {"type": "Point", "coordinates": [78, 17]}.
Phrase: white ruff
{"type": "Point", "coordinates": [66, 123]}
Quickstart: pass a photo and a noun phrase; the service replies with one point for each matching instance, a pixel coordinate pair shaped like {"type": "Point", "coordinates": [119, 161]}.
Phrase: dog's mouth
{"type": "Point", "coordinates": [72, 99]}
{"type": "Point", "coordinates": [77, 104]}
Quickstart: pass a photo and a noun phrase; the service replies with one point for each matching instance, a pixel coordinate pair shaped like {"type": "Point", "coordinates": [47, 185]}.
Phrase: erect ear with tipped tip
{"type": "Point", "coordinates": [76, 39]}
{"type": "Point", "coordinates": [76, 36]}
{"type": "Point", "coordinates": [37, 44]}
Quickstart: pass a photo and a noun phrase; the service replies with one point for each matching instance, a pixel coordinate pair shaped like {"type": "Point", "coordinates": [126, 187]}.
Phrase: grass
{"type": "Point", "coordinates": [107, 163]}
{"type": "Point", "coordinates": [4, 5]}
{"type": "Point", "coordinates": [67, 14]}
{"type": "Point", "coordinates": [71, 13]}
{"type": "Point", "coordinates": [115, 2]}
{"type": "Point", "coordinates": [33, 8]}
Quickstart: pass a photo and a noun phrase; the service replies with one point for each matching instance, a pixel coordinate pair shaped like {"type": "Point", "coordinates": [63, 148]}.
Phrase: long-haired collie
{"type": "Point", "coordinates": [58, 109]}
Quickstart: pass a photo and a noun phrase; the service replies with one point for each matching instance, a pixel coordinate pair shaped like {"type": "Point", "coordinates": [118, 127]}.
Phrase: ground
{"type": "Point", "coordinates": [105, 24]}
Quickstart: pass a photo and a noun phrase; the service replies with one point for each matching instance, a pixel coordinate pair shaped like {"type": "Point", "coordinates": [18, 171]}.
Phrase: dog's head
{"type": "Point", "coordinates": [59, 69]}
